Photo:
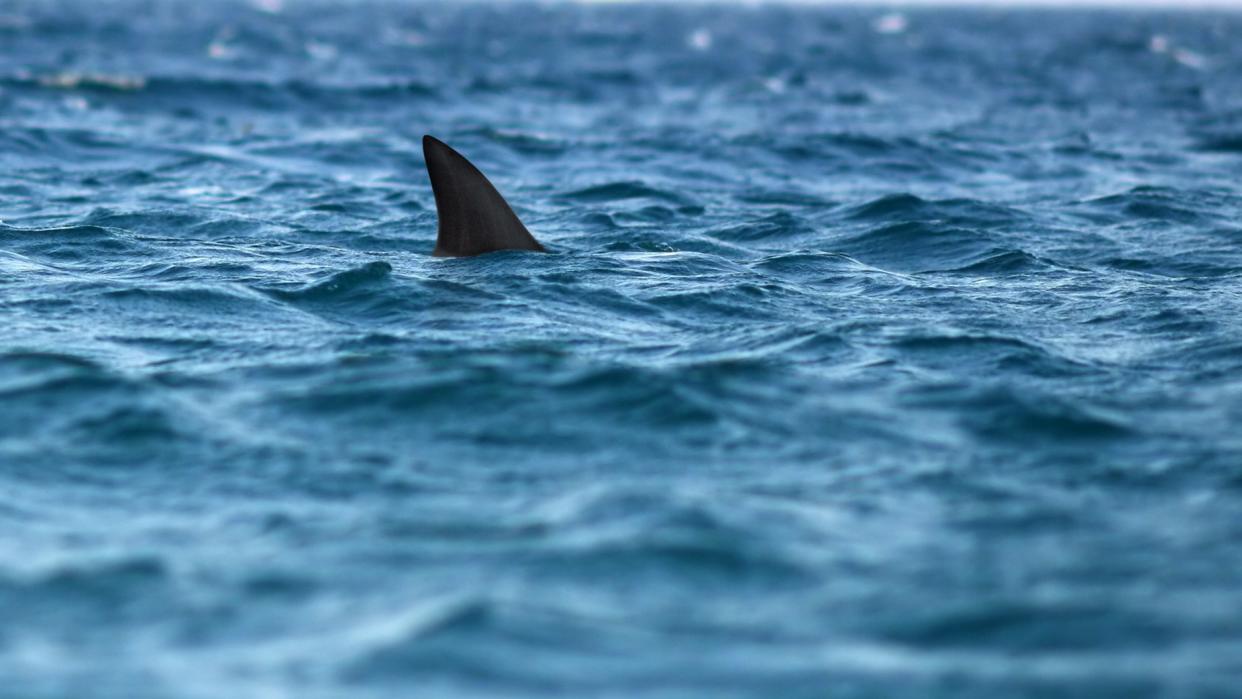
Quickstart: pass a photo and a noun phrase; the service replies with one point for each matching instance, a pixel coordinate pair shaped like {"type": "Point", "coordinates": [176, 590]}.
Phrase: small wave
{"type": "Point", "coordinates": [921, 247]}
{"type": "Point", "coordinates": [443, 637]}
{"type": "Point", "coordinates": [1214, 356]}
{"type": "Point", "coordinates": [67, 145]}
{"type": "Point", "coordinates": [961, 212]}
{"type": "Point", "coordinates": [638, 397]}
{"type": "Point", "coordinates": [621, 191]}
{"type": "Point", "coordinates": [172, 298]}
{"type": "Point", "coordinates": [888, 206]}
{"type": "Point", "coordinates": [13, 264]}
{"type": "Point", "coordinates": [150, 221]}
{"type": "Point", "coordinates": [104, 580]}
{"type": "Point", "coordinates": [608, 530]}
{"type": "Point", "coordinates": [129, 425]}
{"type": "Point", "coordinates": [1151, 203]}
{"type": "Point", "coordinates": [340, 285]}
{"type": "Point", "coordinates": [524, 142]}
{"type": "Point", "coordinates": [1066, 625]}
{"type": "Point", "coordinates": [833, 270]}
{"type": "Point", "coordinates": [1180, 322]}
{"type": "Point", "coordinates": [785, 198]}
{"type": "Point", "coordinates": [1185, 266]}
{"type": "Point", "coordinates": [648, 215]}
{"type": "Point", "coordinates": [777, 227]}
{"type": "Point", "coordinates": [88, 243]}
{"type": "Point", "coordinates": [999, 352]}
{"type": "Point", "coordinates": [800, 263]}
{"type": "Point", "coordinates": [72, 404]}
{"type": "Point", "coordinates": [26, 372]}
{"type": "Point", "coordinates": [1220, 143]}
{"type": "Point", "coordinates": [1019, 416]}
{"type": "Point", "coordinates": [1007, 262]}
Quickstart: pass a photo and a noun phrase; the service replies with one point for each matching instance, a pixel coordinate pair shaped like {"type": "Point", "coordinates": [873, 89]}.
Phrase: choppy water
{"type": "Point", "coordinates": [877, 355]}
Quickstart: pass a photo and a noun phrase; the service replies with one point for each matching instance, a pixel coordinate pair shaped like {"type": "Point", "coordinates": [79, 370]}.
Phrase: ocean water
{"type": "Point", "coordinates": [877, 354]}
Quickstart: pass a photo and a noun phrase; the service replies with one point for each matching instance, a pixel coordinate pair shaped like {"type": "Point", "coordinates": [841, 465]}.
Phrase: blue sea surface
{"type": "Point", "coordinates": [877, 354]}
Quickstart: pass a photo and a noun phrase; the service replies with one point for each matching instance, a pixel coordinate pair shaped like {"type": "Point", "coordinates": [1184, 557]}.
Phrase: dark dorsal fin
{"type": "Point", "coordinates": [474, 218]}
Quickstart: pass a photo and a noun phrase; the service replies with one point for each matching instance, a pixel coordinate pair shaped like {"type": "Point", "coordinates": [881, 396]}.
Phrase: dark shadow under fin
{"type": "Point", "coordinates": [474, 218]}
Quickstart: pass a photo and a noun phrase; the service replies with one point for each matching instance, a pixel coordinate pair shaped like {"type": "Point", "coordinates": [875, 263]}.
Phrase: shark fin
{"type": "Point", "coordinates": [474, 218]}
